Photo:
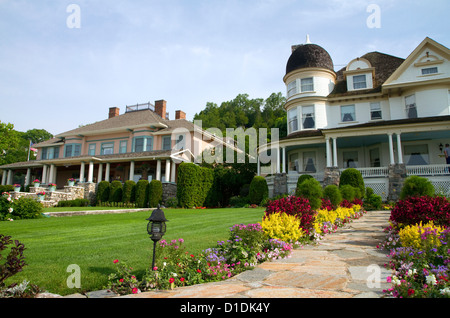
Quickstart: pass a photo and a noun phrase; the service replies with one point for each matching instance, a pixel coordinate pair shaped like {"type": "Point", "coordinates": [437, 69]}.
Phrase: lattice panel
{"type": "Point", "coordinates": [379, 187]}
{"type": "Point", "coordinates": [441, 187]}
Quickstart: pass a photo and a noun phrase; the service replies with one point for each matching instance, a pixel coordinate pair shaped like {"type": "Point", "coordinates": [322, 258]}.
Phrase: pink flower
{"type": "Point", "coordinates": [155, 268]}
{"type": "Point", "coordinates": [116, 261]}
{"type": "Point", "coordinates": [135, 290]}
{"type": "Point", "coordinates": [171, 280]}
{"type": "Point", "coordinates": [121, 280]}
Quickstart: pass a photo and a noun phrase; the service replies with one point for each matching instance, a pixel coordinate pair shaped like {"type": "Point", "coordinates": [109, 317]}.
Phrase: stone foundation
{"type": "Point", "coordinates": [397, 176]}
{"type": "Point", "coordinates": [280, 184]}
{"type": "Point", "coordinates": [331, 176]}
{"type": "Point", "coordinates": [52, 198]}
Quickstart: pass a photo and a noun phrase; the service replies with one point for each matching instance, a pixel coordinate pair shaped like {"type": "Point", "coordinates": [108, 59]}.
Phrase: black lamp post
{"type": "Point", "coordinates": [156, 227]}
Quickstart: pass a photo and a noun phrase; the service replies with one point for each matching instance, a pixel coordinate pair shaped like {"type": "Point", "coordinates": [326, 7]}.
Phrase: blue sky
{"type": "Point", "coordinates": [188, 52]}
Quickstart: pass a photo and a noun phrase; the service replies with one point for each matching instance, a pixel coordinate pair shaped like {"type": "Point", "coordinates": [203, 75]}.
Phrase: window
{"type": "Point", "coordinates": [429, 70]}
{"type": "Point", "coordinates": [166, 143]}
{"type": "Point", "coordinates": [91, 149]}
{"type": "Point", "coordinates": [348, 113]}
{"type": "Point", "coordinates": [123, 146]}
{"type": "Point", "coordinates": [417, 155]}
{"type": "Point", "coordinates": [44, 153]}
{"type": "Point", "coordinates": [293, 162]}
{"type": "Point", "coordinates": [308, 119]}
{"type": "Point", "coordinates": [375, 111]}
{"type": "Point", "coordinates": [180, 142]}
{"type": "Point", "coordinates": [72, 150]}
{"type": "Point", "coordinates": [411, 109]}
{"type": "Point", "coordinates": [107, 148]}
{"type": "Point", "coordinates": [293, 122]}
{"type": "Point", "coordinates": [292, 89]}
{"type": "Point", "coordinates": [359, 82]}
{"type": "Point", "coordinates": [142, 144]}
{"type": "Point", "coordinates": [309, 161]}
{"type": "Point", "coordinates": [307, 84]}
{"type": "Point", "coordinates": [350, 159]}
{"type": "Point", "coordinates": [375, 157]}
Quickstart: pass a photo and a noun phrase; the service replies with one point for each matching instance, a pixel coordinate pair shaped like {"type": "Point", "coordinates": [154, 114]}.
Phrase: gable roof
{"type": "Point", "coordinates": [384, 64]}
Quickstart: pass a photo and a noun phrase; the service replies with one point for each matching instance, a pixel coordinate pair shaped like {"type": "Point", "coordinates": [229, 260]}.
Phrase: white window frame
{"type": "Point", "coordinates": [292, 88]}
{"type": "Point", "coordinates": [430, 70]}
{"type": "Point", "coordinates": [293, 120]}
{"type": "Point", "coordinates": [375, 108]}
{"type": "Point", "coordinates": [410, 104]}
{"type": "Point", "coordinates": [353, 113]}
{"type": "Point", "coordinates": [307, 84]}
{"type": "Point", "coordinates": [358, 83]}
{"type": "Point", "coordinates": [350, 155]}
{"type": "Point", "coordinates": [308, 114]}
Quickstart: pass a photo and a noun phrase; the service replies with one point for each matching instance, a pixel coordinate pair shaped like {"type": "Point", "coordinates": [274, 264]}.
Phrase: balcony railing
{"type": "Point", "coordinates": [376, 172]}
{"type": "Point", "coordinates": [429, 170]}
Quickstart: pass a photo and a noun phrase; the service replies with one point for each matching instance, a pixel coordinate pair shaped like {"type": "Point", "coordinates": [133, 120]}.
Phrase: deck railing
{"type": "Point", "coordinates": [428, 170]}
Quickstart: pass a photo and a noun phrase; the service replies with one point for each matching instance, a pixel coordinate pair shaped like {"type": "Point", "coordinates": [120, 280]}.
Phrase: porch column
{"type": "Point", "coordinates": [44, 174]}
{"type": "Point", "coordinates": [399, 149]}
{"type": "Point", "coordinates": [173, 172]}
{"type": "Point", "coordinates": [100, 172]}
{"type": "Point", "coordinates": [131, 170]}
{"type": "Point", "coordinates": [108, 171]}
{"type": "Point", "coordinates": [167, 176]}
{"type": "Point", "coordinates": [82, 169]}
{"type": "Point", "coordinates": [258, 167]}
{"type": "Point", "coordinates": [9, 179]}
{"type": "Point", "coordinates": [50, 173]}
{"type": "Point", "coordinates": [328, 147]}
{"type": "Point", "coordinates": [278, 160]}
{"type": "Point", "coordinates": [55, 174]}
{"type": "Point", "coordinates": [335, 163]}
{"type": "Point", "coordinates": [284, 159]}
{"type": "Point", "coordinates": [391, 149]}
{"type": "Point", "coordinates": [91, 172]}
{"type": "Point", "coordinates": [4, 177]}
{"type": "Point", "coordinates": [158, 170]}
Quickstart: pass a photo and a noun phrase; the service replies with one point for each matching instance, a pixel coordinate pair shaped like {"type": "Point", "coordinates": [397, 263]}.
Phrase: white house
{"type": "Point", "coordinates": [386, 116]}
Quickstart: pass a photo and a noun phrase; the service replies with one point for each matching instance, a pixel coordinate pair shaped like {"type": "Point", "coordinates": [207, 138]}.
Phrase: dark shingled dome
{"type": "Point", "coordinates": [309, 55]}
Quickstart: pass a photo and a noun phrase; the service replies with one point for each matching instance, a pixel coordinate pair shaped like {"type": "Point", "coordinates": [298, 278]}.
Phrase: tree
{"type": "Point", "coordinates": [12, 147]}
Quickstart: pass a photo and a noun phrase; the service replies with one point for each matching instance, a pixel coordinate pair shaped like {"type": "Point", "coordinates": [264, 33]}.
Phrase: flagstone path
{"type": "Point", "coordinates": [346, 264]}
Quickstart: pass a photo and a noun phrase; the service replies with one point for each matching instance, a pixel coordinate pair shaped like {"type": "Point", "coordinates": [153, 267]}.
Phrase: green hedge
{"type": "Point", "coordinates": [311, 190]}
{"type": "Point", "coordinates": [415, 186]}
{"type": "Point", "coordinates": [142, 193]}
{"type": "Point", "coordinates": [115, 191]}
{"type": "Point", "coordinates": [155, 191]}
{"type": "Point", "coordinates": [258, 191]}
{"type": "Point", "coordinates": [332, 193]}
{"type": "Point", "coordinates": [194, 185]}
{"type": "Point", "coordinates": [353, 177]}
{"type": "Point", "coordinates": [102, 192]}
{"type": "Point", "coordinates": [129, 191]}
{"type": "Point", "coordinates": [74, 203]}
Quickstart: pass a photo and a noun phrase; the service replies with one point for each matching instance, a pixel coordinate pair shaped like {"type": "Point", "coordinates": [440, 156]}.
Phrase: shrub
{"type": "Point", "coordinates": [142, 193]}
{"type": "Point", "coordinates": [347, 192]}
{"type": "Point", "coordinates": [14, 262]}
{"type": "Point", "coordinates": [332, 193]}
{"type": "Point", "coordinates": [129, 191]}
{"type": "Point", "coordinates": [372, 201]}
{"type": "Point", "coordinates": [194, 185]}
{"type": "Point", "coordinates": [416, 186]}
{"type": "Point", "coordinates": [27, 208]}
{"type": "Point", "coordinates": [74, 203]}
{"type": "Point", "coordinates": [296, 206]}
{"type": "Point", "coordinates": [258, 190]}
{"type": "Point", "coordinates": [238, 201]}
{"type": "Point", "coordinates": [311, 190]}
{"type": "Point", "coordinates": [171, 202]}
{"type": "Point", "coordinates": [302, 178]}
{"type": "Point", "coordinates": [353, 177]}
{"type": "Point", "coordinates": [115, 191]}
{"type": "Point", "coordinates": [414, 210]}
{"type": "Point", "coordinates": [420, 236]}
{"type": "Point", "coordinates": [283, 227]}
{"type": "Point", "coordinates": [102, 192]}
{"type": "Point", "coordinates": [155, 192]}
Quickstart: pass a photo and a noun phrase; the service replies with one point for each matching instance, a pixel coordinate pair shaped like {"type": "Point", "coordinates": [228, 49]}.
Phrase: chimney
{"type": "Point", "coordinates": [160, 108]}
{"type": "Point", "coordinates": [180, 114]}
{"type": "Point", "coordinates": [114, 112]}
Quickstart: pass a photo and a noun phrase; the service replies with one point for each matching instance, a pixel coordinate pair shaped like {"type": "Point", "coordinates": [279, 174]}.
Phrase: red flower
{"type": "Point", "coordinates": [199, 271]}
{"type": "Point", "coordinates": [135, 290]}
{"type": "Point", "coordinates": [182, 279]}
{"type": "Point", "coordinates": [410, 292]}
{"type": "Point", "coordinates": [171, 280]}
{"type": "Point", "coordinates": [192, 255]}
{"type": "Point", "coordinates": [115, 261]}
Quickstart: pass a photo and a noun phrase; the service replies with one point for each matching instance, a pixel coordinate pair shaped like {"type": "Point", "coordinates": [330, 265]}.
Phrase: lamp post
{"type": "Point", "coordinates": [156, 228]}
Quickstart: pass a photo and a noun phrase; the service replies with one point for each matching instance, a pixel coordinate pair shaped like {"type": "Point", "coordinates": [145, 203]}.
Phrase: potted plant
{"type": "Point", "coordinates": [16, 187]}
{"type": "Point", "coordinates": [37, 183]}
{"type": "Point", "coordinates": [71, 182]}
{"type": "Point", "coordinates": [51, 187]}
{"type": "Point", "coordinates": [41, 195]}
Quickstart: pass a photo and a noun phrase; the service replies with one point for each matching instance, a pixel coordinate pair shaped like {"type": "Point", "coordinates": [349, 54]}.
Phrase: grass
{"type": "Point", "coordinates": [94, 241]}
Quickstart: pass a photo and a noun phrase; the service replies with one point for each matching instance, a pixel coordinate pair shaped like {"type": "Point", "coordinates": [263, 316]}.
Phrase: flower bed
{"type": "Point", "coordinates": [417, 240]}
{"type": "Point", "coordinates": [288, 222]}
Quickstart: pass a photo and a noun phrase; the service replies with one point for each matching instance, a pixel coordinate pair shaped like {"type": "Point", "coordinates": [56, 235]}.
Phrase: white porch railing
{"type": "Point", "coordinates": [429, 170]}
{"type": "Point", "coordinates": [376, 172]}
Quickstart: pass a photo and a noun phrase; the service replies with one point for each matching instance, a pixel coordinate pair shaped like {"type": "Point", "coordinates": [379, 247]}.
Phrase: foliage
{"type": "Point", "coordinates": [194, 185]}
{"type": "Point", "coordinates": [332, 193]}
{"type": "Point", "coordinates": [238, 201]}
{"type": "Point", "coordinates": [353, 177]}
{"type": "Point", "coordinates": [74, 203]}
{"type": "Point", "coordinates": [22, 208]}
{"type": "Point", "coordinates": [155, 192]}
{"type": "Point", "coordinates": [415, 186]}
{"type": "Point", "coordinates": [302, 178]}
{"type": "Point", "coordinates": [171, 202]}
{"type": "Point", "coordinates": [115, 191]}
{"type": "Point", "coordinates": [283, 227]}
{"type": "Point", "coordinates": [258, 190]}
{"type": "Point", "coordinates": [311, 190]}
{"type": "Point", "coordinates": [102, 191]}
{"type": "Point", "coordinates": [414, 210]}
{"type": "Point", "coordinates": [372, 201]}
{"type": "Point", "coordinates": [142, 193]}
{"type": "Point", "coordinates": [129, 191]}
{"type": "Point", "coordinates": [420, 236]}
{"type": "Point", "coordinates": [347, 192]}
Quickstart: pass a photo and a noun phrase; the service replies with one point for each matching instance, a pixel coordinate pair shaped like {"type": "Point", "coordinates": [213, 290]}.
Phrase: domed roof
{"type": "Point", "coordinates": [309, 55]}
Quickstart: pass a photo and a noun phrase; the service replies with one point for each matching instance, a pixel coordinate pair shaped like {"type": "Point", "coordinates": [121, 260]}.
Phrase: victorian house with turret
{"type": "Point", "coordinates": [386, 116]}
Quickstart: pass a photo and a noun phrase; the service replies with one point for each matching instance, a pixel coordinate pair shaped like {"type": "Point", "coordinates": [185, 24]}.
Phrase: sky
{"type": "Point", "coordinates": [65, 63]}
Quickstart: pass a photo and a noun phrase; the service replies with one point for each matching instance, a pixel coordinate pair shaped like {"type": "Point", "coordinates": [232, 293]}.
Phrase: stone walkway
{"type": "Point", "coordinates": [345, 264]}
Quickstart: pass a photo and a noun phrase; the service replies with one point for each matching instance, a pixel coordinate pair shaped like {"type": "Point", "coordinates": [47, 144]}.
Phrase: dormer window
{"type": "Point", "coordinates": [307, 84]}
{"type": "Point", "coordinates": [359, 82]}
{"type": "Point", "coordinates": [429, 70]}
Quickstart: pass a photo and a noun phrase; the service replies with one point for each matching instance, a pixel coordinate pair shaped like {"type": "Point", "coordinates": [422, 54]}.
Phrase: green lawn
{"type": "Point", "coordinates": [94, 241]}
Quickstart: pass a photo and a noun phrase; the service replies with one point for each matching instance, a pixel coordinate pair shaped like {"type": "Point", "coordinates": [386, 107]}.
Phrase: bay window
{"type": "Point", "coordinates": [292, 120]}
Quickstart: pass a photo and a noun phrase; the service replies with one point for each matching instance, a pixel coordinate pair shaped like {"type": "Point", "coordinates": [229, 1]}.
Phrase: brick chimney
{"type": "Point", "coordinates": [180, 114]}
{"type": "Point", "coordinates": [160, 108]}
{"type": "Point", "coordinates": [114, 112]}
